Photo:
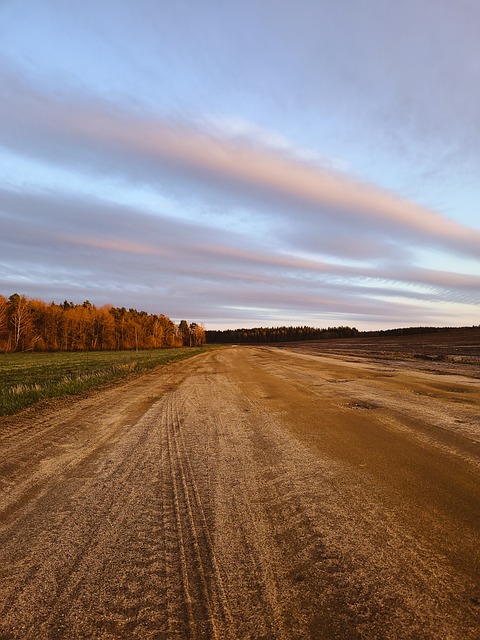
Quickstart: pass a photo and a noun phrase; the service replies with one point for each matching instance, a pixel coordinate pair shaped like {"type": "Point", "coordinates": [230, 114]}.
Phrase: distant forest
{"type": "Point", "coordinates": [33, 325]}
{"type": "Point", "coordinates": [291, 334]}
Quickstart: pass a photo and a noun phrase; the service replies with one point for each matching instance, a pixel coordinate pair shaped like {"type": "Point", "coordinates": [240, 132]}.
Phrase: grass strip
{"type": "Point", "coordinates": [26, 378]}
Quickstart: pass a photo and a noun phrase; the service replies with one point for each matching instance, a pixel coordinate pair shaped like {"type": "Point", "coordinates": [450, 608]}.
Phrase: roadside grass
{"type": "Point", "coordinates": [26, 378]}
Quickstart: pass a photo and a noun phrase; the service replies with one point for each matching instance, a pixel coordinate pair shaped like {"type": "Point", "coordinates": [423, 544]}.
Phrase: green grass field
{"type": "Point", "coordinates": [26, 378]}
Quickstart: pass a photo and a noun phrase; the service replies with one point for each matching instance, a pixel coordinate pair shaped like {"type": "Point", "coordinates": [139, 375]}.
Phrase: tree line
{"type": "Point", "coordinates": [277, 334]}
{"type": "Point", "coordinates": [33, 325]}
{"type": "Point", "coordinates": [292, 334]}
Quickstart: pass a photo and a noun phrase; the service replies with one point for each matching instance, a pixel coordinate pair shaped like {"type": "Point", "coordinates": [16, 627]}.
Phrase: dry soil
{"type": "Point", "coordinates": [247, 493]}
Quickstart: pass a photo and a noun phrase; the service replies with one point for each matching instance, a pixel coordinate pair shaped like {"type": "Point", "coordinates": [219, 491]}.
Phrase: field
{"type": "Point", "coordinates": [460, 346]}
{"type": "Point", "coordinates": [26, 378]}
{"type": "Point", "coordinates": [310, 491]}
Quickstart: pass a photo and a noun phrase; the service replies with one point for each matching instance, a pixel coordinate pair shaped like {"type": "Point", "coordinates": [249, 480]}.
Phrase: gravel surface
{"type": "Point", "coordinates": [246, 493]}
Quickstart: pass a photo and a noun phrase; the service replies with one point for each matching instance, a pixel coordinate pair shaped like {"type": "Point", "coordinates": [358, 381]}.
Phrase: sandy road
{"type": "Point", "coordinates": [246, 493]}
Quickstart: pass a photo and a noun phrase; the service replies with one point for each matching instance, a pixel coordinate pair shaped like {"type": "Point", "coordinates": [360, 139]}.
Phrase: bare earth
{"type": "Point", "coordinates": [247, 493]}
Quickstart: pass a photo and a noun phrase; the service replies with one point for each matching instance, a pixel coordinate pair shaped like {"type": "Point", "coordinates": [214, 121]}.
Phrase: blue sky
{"type": "Point", "coordinates": [244, 164]}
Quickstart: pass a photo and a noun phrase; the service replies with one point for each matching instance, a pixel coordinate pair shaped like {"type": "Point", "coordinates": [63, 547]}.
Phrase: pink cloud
{"type": "Point", "coordinates": [267, 172]}
{"type": "Point", "coordinates": [119, 245]}
{"type": "Point", "coordinates": [168, 152]}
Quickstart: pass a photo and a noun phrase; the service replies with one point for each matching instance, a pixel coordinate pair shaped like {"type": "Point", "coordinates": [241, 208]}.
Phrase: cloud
{"type": "Point", "coordinates": [106, 252]}
{"type": "Point", "coordinates": [307, 201]}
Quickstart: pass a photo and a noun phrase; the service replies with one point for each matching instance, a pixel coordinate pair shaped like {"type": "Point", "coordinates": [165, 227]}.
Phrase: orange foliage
{"type": "Point", "coordinates": [33, 325]}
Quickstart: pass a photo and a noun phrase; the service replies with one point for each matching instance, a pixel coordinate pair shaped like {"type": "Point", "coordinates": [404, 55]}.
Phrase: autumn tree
{"type": "Point", "coordinates": [184, 331]}
{"type": "Point", "coordinates": [37, 337]}
{"type": "Point", "coordinates": [3, 324]}
{"type": "Point", "coordinates": [34, 325]}
{"type": "Point", "coordinates": [197, 335]}
{"type": "Point", "coordinates": [170, 331]}
{"type": "Point", "coordinates": [18, 317]}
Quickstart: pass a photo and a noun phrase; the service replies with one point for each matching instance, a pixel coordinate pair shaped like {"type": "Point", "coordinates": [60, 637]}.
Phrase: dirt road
{"type": "Point", "coordinates": [246, 493]}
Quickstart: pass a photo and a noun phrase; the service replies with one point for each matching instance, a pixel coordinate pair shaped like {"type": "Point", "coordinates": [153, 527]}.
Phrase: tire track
{"type": "Point", "coordinates": [211, 575]}
{"type": "Point", "coordinates": [241, 535]}
{"type": "Point", "coordinates": [207, 603]}
{"type": "Point", "coordinates": [181, 621]}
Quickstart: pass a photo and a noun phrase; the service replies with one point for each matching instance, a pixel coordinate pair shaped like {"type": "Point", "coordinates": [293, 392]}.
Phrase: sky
{"type": "Point", "coordinates": [242, 164]}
